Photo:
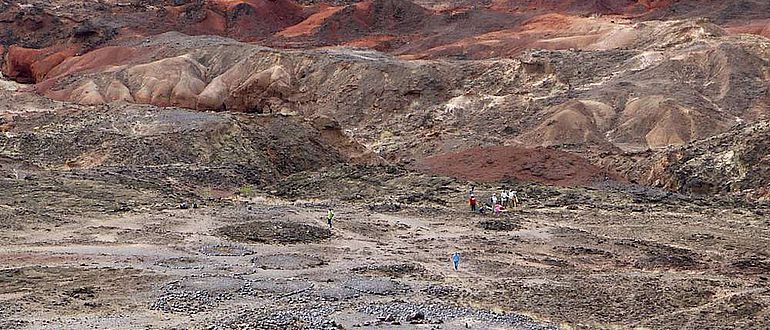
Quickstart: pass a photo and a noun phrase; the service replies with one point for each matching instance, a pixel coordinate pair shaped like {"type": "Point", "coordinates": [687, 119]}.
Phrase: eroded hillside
{"type": "Point", "coordinates": [422, 78]}
{"type": "Point", "coordinates": [305, 164]}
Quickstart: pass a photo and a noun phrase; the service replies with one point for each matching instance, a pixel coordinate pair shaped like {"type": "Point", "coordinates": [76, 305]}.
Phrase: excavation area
{"type": "Point", "coordinates": [311, 164]}
{"type": "Point", "coordinates": [131, 217]}
{"type": "Point", "coordinates": [567, 258]}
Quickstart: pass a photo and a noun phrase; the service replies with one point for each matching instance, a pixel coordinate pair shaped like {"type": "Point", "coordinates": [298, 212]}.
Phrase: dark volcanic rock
{"type": "Point", "coordinates": [275, 232]}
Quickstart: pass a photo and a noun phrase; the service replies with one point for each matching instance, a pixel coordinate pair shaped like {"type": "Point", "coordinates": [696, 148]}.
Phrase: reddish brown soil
{"type": "Point", "coordinates": [759, 27]}
{"type": "Point", "coordinates": [213, 23]}
{"type": "Point", "coordinates": [29, 65]}
{"type": "Point", "coordinates": [102, 57]}
{"type": "Point", "coordinates": [493, 164]}
{"type": "Point", "coordinates": [311, 24]}
{"type": "Point", "coordinates": [443, 29]}
{"type": "Point", "coordinates": [362, 24]}
{"type": "Point", "coordinates": [597, 6]}
{"type": "Point", "coordinates": [381, 43]}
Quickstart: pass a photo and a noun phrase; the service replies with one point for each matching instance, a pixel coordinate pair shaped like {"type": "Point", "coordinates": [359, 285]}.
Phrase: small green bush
{"type": "Point", "coordinates": [246, 191]}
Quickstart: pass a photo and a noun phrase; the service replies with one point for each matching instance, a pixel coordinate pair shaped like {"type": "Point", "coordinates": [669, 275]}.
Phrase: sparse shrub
{"type": "Point", "coordinates": [246, 191]}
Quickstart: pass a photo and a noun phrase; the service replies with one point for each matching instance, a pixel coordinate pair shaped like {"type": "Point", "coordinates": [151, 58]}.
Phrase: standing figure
{"type": "Point", "coordinates": [456, 260]}
{"type": "Point", "coordinates": [329, 218]}
{"type": "Point", "coordinates": [472, 201]}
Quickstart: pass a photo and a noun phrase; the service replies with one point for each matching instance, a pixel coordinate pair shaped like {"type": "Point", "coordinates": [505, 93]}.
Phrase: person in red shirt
{"type": "Point", "coordinates": [472, 201]}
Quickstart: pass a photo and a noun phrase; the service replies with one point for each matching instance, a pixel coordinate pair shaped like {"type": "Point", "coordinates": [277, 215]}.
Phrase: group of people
{"type": "Point", "coordinates": [506, 199]}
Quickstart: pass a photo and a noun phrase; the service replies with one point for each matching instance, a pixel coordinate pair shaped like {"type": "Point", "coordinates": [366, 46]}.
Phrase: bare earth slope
{"type": "Point", "coordinates": [170, 164]}
{"type": "Point", "coordinates": [546, 77]}
{"type": "Point", "coordinates": [734, 162]}
{"type": "Point", "coordinates": [108, 245]}
{"type": "Point", "coordinates": [597, 78]}
{"type": "Point", "coordinates": [223, 151]}
{"type": "Point", "coordinates": [648, 96]}
{"type": "Point", "coordinates": [494, 164]}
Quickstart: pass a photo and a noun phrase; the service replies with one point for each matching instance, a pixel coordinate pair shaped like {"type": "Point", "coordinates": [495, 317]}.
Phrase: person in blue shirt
{"type": "Point", "coordinates": [456, 260]}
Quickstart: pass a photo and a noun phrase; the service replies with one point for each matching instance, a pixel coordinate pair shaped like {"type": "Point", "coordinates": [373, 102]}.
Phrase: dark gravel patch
{"type": "Point", "coordinates": [335, 293]}
{"type": "Point", "coordinates": [753, 265]}
{"type": "Point", "coordinates": [290, 261]}
{"type": "Point", "coordinates": [276, 288]}
{"type": "Point", "coordinates": [376, 286]}
{"type": "Point", "coordinates": [393, 270]}
{"type": "Point", "coordinates": [404, 312]}
{"type": "Point", "coordinates": [500, 225]}
{"type": "Point", "coordinates": [13, 324]}
{"type": "Point", "coordinates": [196, 294]}
{"type": "Point", "coordinates": [225, 251]}
{"type": "Point", "coordinates": [179, 263]}
{"type": "Point", "coordinates": [306, 317]}
{"type": "Point", "coordinates": [275, 232]}
{"type": "Point", "coordinates": [444, 291]}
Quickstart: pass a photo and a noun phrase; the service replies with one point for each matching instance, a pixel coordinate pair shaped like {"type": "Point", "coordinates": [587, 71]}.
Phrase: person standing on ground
{"type": "Point", "coordinates": [329, 218]}
{"type": "Point", "coordinates": [493, 199]}
{"type": "Point", "coordinates": [472, 201]}
{"type": "Point", "coordinates": [514, 199]}
{"type": "Point", "coordinates": [456, 260]}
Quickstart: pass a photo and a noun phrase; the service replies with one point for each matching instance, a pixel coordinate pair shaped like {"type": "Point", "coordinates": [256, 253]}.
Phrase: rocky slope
{"type": "Point", "coordinates": [628, 98]}
{"type": "Point", "coordinates": [170, 164]}
{"type": "Point", "coordinates": [176, 146]}
{"type": "Point", "coordinates": [423, 78]}
{"type": "Point", "coordinates": [733, 163]}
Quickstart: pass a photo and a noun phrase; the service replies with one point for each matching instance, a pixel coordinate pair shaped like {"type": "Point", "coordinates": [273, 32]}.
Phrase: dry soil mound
{"type": "Point", "coordinates": [493, 164]}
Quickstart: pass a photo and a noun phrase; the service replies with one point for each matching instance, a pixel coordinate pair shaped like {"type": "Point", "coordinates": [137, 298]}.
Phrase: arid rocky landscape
{"type": "Point", "coordinates": [170, 164]}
